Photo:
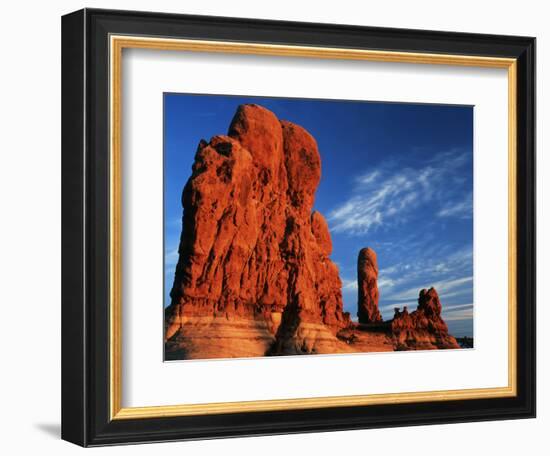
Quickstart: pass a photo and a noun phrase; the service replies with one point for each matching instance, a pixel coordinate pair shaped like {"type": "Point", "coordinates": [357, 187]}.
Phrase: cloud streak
{"type": "Point", "coordinates": [460, 209]}
{"type": "Point", "coordinates": [458, 313]}
{"type": "Point", "coordinates": [395, 195]}
{"type": "Point", "coordinates": [390, 195]}
{"type": "Point", "coordinates": [445, 289]}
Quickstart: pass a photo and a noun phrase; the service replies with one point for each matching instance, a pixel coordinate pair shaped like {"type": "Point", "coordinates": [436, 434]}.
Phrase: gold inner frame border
{"type": "Point", "coordinates": [116, 46]}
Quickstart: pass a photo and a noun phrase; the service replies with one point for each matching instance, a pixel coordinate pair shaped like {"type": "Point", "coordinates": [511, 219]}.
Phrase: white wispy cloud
{"type": "Point", "coordinates": [390, 270]}
{"type": "Point", "coordinates": [457, 313]}
{"type": "Point", "coordinates": [380, 199]}
{"type": "Point", "coordinates": [431, 268]}
{"type": "Point", "coordinates": [349, 284]}
{"type": "Point", "coordinates": [460, 209]}
{"type": "Point", "coordinates": [390, 194]}
{"type": "Point", "coordinates": [444, 288]}
{"type": "Point", "coordinates": [454, 287]}
{"type": "Point", "coordinates": [457, 260]}
{"type": "Point", "coordinates": [386, 283]}
{"type": "Point", "coordinates": [369, 177]}
{"type": "Point", "coordinates": [456, 307]}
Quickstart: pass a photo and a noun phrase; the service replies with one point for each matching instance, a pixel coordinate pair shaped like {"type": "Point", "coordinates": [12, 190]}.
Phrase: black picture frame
{"type": "Point", "coordinates": [85, 228]}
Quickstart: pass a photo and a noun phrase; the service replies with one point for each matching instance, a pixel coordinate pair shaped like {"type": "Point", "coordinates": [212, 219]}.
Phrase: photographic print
{"type": "Point", "coordinates": [244, 199]}
{"type": "Point", "coordinates": [305, 226]}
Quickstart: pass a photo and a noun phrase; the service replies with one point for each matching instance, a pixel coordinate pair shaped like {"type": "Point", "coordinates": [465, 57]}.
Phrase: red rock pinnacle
{"type": "Point", "coordinates": [424, 328]}
{"type": "Point", "coordinates": [367, 282]}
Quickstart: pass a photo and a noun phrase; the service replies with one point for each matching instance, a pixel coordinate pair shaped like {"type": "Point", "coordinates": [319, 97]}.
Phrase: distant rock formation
{"type": "Point", "coordinates": [367, 283]}
{"type": "Point", "coordinates": [424, 328]}
{"type": "Point", "coordinates": [254, 273]}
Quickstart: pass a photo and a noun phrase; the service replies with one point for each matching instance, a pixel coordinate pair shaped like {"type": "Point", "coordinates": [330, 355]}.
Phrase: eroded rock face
{"type": "Point", "coordinates": [253, 260]}
{"type": "Point", "coordinates": [424, 328]}
{"type": "Point", "coordinates": [367, 283]}
{"type": "Point", "coordinates": [428, 302]}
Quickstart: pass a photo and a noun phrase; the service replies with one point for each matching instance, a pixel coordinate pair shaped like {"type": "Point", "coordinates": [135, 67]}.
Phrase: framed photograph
{"type": "Point", "coordinates": [279, 227]}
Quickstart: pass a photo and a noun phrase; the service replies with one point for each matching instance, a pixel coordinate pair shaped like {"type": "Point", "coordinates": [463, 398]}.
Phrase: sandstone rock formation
{"type": "Point", "coordinates": [424, 328]}
{"type": "Point", "coordinates": [254, 274]}
{"type": "Point", "coordinates": [367, 283]}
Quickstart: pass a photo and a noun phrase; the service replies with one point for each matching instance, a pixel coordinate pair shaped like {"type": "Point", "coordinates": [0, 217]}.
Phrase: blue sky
{"type": "Point", "coordinates": [396, 177]}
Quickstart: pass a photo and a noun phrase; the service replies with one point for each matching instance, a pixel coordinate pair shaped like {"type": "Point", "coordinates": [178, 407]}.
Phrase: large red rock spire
{"type": "Point", "coordinates": [252, 254]}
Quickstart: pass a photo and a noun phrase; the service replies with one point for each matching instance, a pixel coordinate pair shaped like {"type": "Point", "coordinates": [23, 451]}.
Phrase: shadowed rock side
{"type": "Point", "coordinates": [367, 284]}
{"type": "Point", "coordinates": [254, 276]}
